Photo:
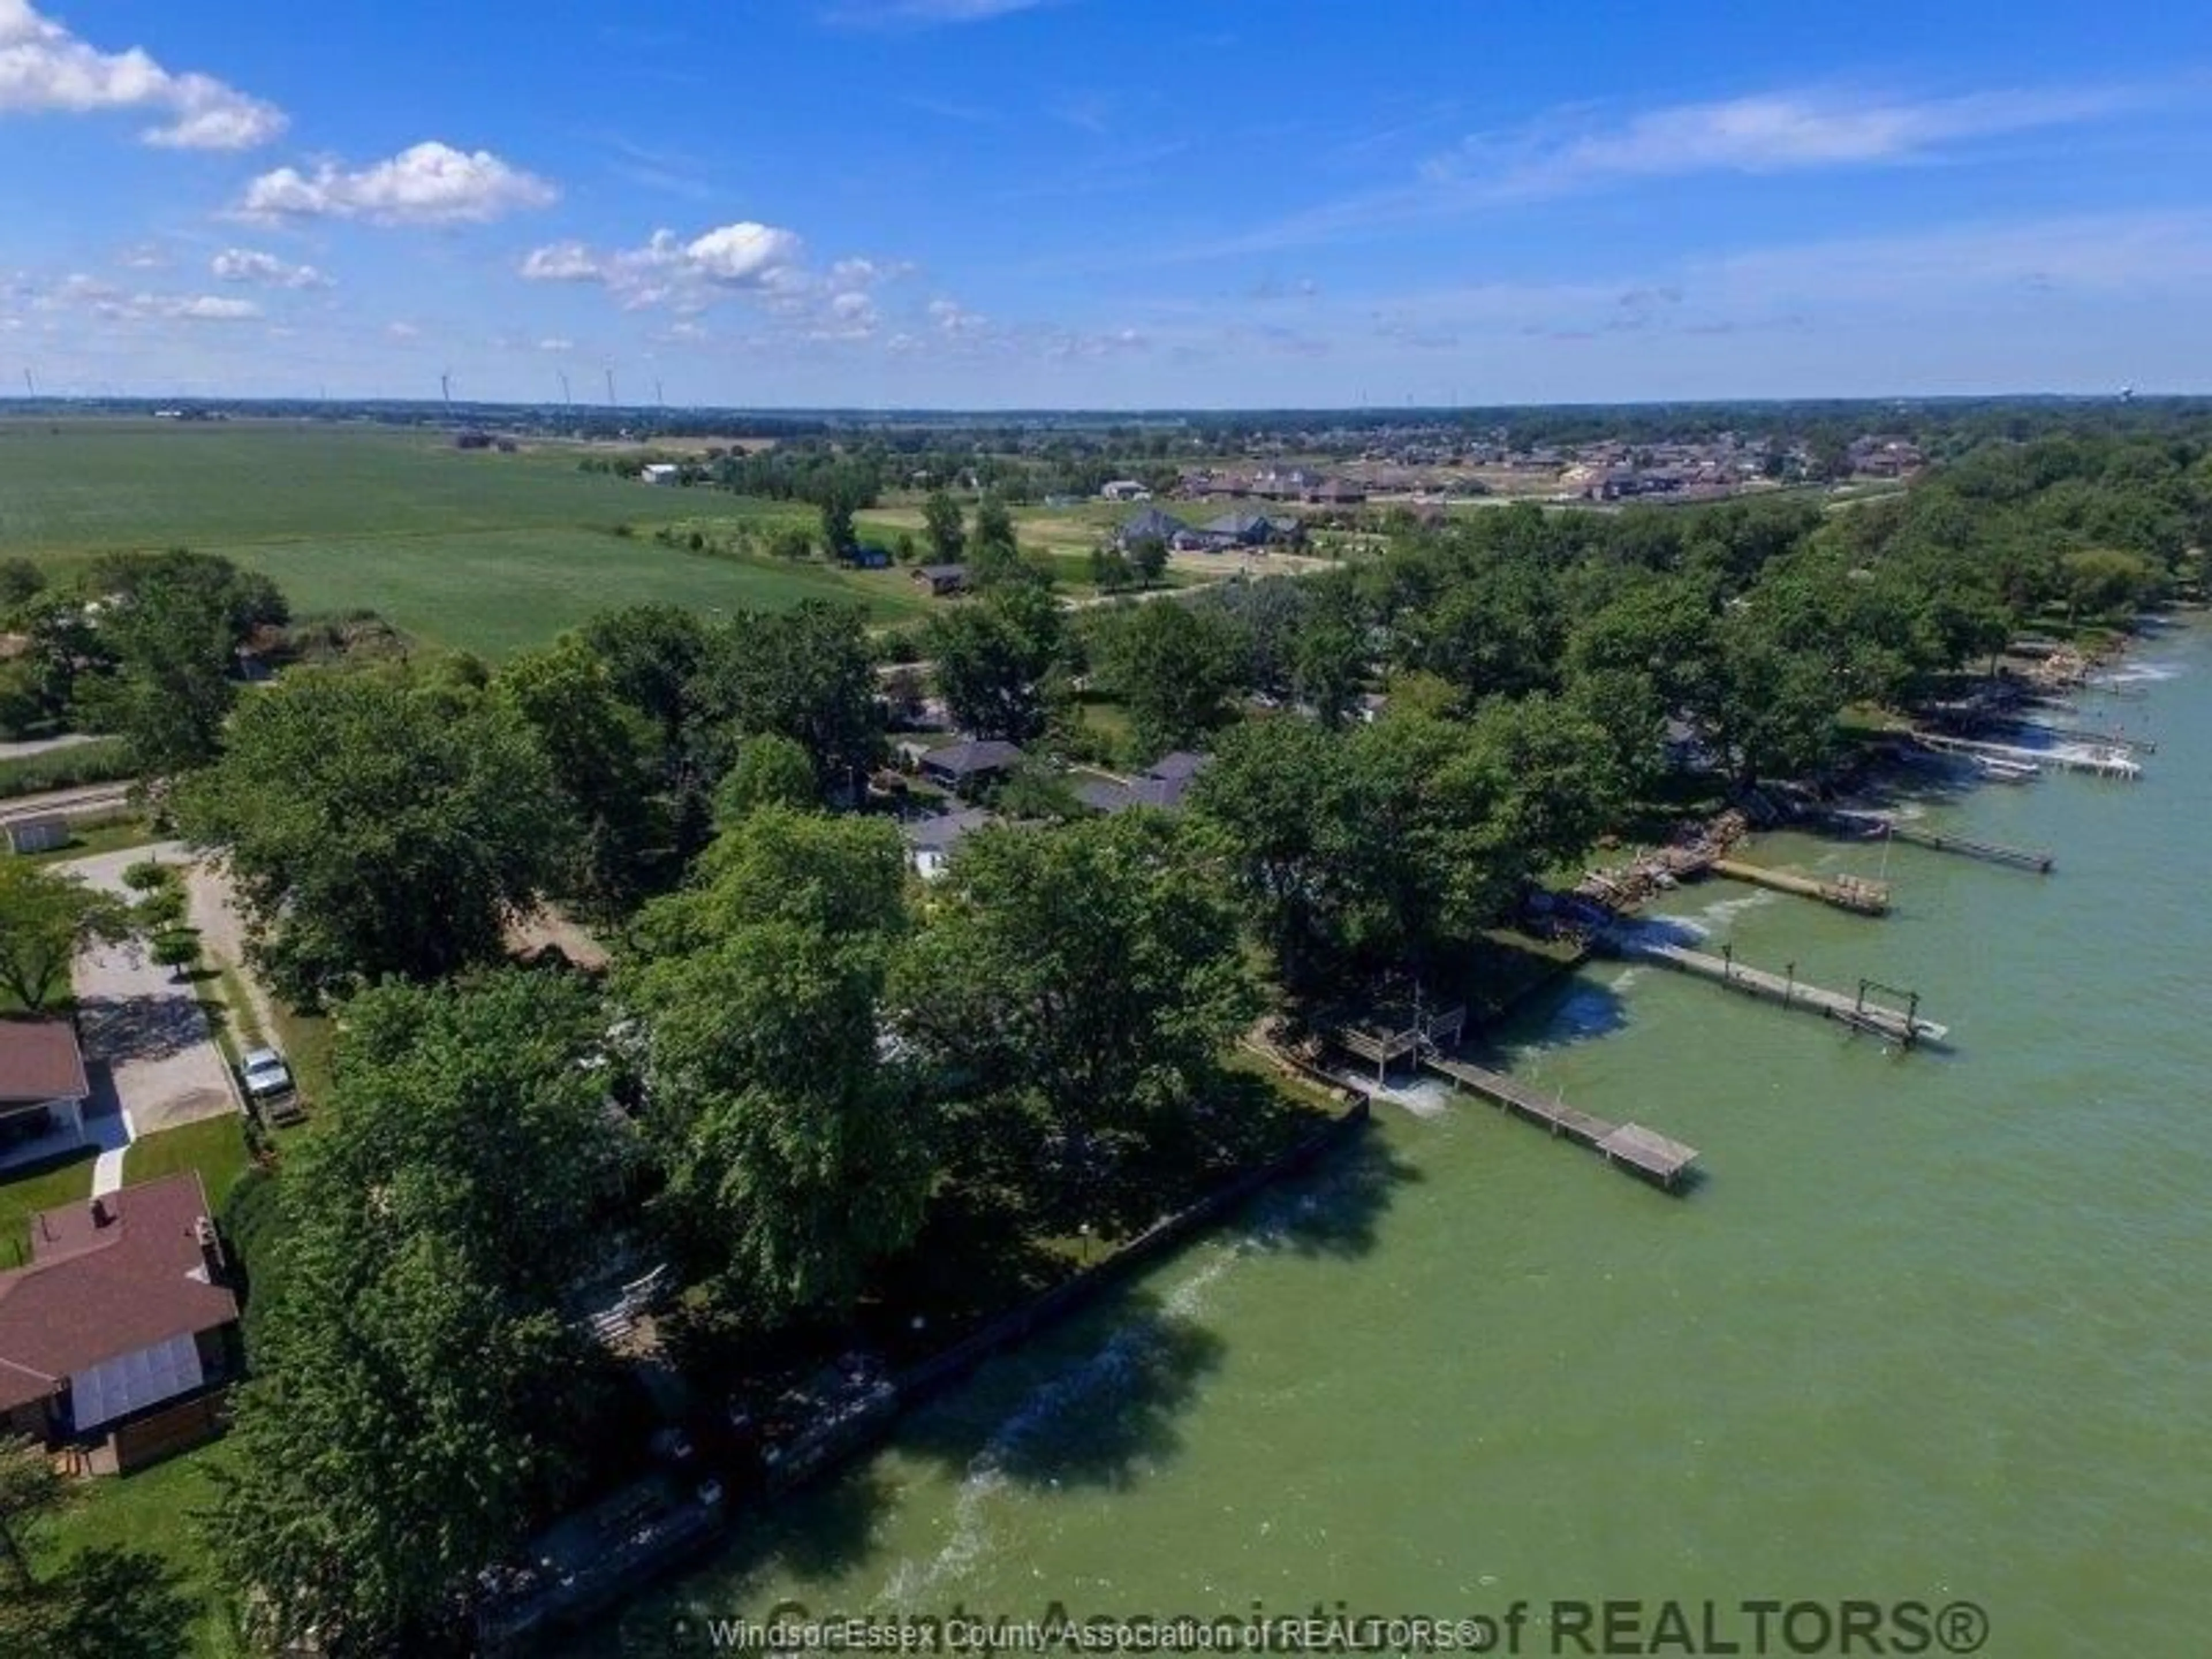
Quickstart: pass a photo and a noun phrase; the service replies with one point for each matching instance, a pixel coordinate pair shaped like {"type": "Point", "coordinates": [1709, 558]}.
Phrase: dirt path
{"type": "Point", "coordinates": [212, 908]}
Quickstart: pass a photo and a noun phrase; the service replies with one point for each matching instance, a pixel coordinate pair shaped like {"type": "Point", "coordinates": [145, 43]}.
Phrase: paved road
{"type": "Point", "coordinates": [89, 801]}
{"type": "Point", "coordinates": [143, 1026]}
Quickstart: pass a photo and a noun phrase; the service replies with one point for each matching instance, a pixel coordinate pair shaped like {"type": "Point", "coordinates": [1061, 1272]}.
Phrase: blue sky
{"type": "Point", "coordinates": [1103, 203]}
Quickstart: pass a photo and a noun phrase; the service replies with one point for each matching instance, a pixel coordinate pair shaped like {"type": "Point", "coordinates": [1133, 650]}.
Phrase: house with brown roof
{"type": "Point", "coordinates": [42, 1083]}
{"type": "Point", "coordinates": [117, 1337]}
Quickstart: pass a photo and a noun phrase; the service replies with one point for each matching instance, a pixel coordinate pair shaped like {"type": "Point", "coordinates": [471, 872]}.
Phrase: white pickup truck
{"type": "Point", "coordinates": [269, 1086]}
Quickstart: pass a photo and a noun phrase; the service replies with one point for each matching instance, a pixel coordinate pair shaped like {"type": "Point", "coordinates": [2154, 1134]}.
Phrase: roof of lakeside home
{"type": "Point", "coordinates": [39, 1061]}
{"type": "Point", "coordinates": [1164, 786]}
{"type": "Point", "coordinates": [973, 757]}
{"type": "Point", "coordinates": [1179, 764]}
{"type": "Point", "coordinates": [1151, 522]}
{"type": "Point", "coordinates": [942, 833]}
{"type": "Point", "coordinates": [108, 1277]}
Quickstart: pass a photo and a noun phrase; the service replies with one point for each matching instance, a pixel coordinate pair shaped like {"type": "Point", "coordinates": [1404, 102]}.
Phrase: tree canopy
{"type": "Point", "coordinates": [417, 1400]}
{"type": "Point", "coordinates": [371, 831]}
{"type": "Point", "coordinates": [1077, 985]}
{"type": "Point", "coordinates": [795, 1156]}
{"type": "Point", "coordinates": [46, 916]}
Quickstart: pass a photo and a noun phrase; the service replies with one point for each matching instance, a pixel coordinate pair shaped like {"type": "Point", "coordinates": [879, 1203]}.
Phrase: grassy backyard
{"type": "Point", "coordinates": [156, 1510]}
{"type": "Point", "coordinates": [216, 1146]}
{"type": "Point", "coordinates": [24, 1193]}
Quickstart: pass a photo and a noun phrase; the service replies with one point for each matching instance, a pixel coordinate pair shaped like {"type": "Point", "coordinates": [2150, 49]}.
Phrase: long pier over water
{"type": "Point", "coordinates": [1990, 851]}
{"type": "Point", "coordinates": [1425, 1043]}
{"type": "Point", "coordinates": [1903, 1026]}
{"type": "Point", "coordinates": [1646, 1151]}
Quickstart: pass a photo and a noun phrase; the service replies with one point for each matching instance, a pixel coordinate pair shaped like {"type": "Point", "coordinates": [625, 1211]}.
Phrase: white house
{"type": "Point", "coordinates": [1123, 489]}
{"type": "Point", "coordinates": [42, 1083]}
{"type": "Point", "coordinates": [929, 843]}
{"type": "Point", "coordinates": [661, 472]}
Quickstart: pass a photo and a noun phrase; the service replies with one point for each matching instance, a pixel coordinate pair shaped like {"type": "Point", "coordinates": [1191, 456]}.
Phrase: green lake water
{"type": "Point", "coordinates": [1935, 1326]}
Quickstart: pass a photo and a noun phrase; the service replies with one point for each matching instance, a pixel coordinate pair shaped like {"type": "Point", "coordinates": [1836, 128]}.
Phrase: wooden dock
{"type": "Point", "coordinates": [1385, 1046]}
{"type": "Point", "coordinates": [2023, 723]}
{"type": "Point", "coordinates": [2107, 763]}
{"type": "Point", "coordinates": [1903, 1026]}
{"type": "Point", "coordinates": [1990, 851]}
{"type": "Point", "coordinates": [1630, 1146]}
{"type": "Point", "coordinates": [1852, 893]}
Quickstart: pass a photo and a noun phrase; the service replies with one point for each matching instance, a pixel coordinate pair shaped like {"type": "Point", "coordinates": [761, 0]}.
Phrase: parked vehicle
{"type": "Point", "coordinates": [269, 1085]}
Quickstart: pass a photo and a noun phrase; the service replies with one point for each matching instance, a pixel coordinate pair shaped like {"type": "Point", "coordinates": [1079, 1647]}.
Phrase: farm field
{"type": "Point", "coordinates": [464, 550]}
{"type": "Point", "coordinates": [76, 488]}
{"type": "Point", "coordinates": [499, 591]}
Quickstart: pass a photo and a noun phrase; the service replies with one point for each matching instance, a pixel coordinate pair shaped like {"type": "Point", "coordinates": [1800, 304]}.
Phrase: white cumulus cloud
{"type": "Point", "coordinates": [240, 264]}
{"type": "Point", "coordinates": [429, 184]}
{"type": "Point", "coordinates": [47, 69]}
{"type": "Point", "coordinates": [671, 270]}
{"type": "Point", "coordinates": [562, 262]}
{"type": "Point", "coordinates": [743, 253]}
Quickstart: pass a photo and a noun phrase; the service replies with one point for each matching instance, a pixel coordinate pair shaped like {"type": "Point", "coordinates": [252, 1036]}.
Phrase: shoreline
{"type": "Point", "coordinates": [846, 1434]}
{"type": "Point", "coordinates": [689, 1527]}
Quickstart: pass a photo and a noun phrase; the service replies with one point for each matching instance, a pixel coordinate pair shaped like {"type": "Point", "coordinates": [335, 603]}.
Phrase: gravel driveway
{"type": "Point", "coordinates": [144, 1024]}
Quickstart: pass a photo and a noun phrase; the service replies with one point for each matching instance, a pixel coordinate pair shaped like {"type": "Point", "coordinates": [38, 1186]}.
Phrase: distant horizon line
{"type": "Point", "coordinates": [20, 403]}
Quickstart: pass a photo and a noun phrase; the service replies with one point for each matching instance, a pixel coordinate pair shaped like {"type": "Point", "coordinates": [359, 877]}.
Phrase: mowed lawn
{"type": "Point", "coordinates": [462, 549]}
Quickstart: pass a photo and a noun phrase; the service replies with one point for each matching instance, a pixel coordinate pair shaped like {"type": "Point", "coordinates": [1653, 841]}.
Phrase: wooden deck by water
{"type": "Point", "coordinates": [1861, 1012]}
{"type": "Point", "coordinates": [1853, 893]}
{"type": "Point", "coordinates": [1646, 1151]}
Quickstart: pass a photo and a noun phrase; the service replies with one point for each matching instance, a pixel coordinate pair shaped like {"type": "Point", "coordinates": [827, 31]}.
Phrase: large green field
{"type": "Point", "coordinates": [463, 550]}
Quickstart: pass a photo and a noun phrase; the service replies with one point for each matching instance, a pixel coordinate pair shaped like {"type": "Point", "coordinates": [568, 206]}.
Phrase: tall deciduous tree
{"type": "Point", "coordinates": [417, 1399]}
{"type": "Point", "coordinates": [771, 770]}
{"type": "Point", "coordinates": [1175, 667]}
{"type": "Point", "coordinates": [371, 832]}
{"type": "Point", "coordinates": [1275, 808]}
{"type": "Point", "coordinates": [602, 754]}
{"type": "Point", "coordinates": [806, 674]}
{"type": "Point", "coordinates": [46, 918]}
{"type": "Point", "coordinates": [941, 524]}
{"type": "Point", "coordinates": [170, 625]}
{"type": "Point", "coordinates": [1081, 981]}
{"type": "Point", "coordinates": [990, 660]}
{"type": "Point", "coordinates": [795, 1158]}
